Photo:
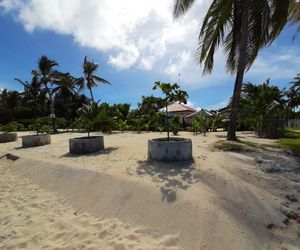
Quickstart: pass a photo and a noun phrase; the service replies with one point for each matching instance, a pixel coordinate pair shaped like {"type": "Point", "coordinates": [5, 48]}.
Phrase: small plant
{"type": "Point", "coordinates": [88, 114]}
{"type": "Point", "coordinates": [122, 125]}
{"type": "Point", "coordinates": [92, 118]}
{"type": "Point", "coordinates": [103, 122]}
{"type": "Point", "coordinates": [40, 127]}
{"type": "Point", "coordinates": [12, 126]}
{"type": "Point", "coordinates": [199, 124]}
{"type": "Point", "coordinates": [175, 124]}
{"type": "Point", "coordinates": [172, 93]}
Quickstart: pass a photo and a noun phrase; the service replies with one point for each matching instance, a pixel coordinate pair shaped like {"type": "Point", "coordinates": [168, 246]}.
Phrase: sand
{"type": "Point", "coordinates": [117, 200]}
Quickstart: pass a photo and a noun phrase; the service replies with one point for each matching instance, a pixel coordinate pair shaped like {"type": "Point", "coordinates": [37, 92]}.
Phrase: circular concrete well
{"type": "Point", "coordinates": [86, 145]}
{"type": "Point", "coordinates": [35, 140]}
{"type": "Point", "coordinates": [8, 137]}
{"type": "Point", "coordinates": [174, 149]}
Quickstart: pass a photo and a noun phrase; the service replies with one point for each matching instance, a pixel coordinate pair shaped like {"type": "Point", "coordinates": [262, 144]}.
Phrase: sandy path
{"type": "Point", "coordinates": [222, 201]}
{"type": "Point", "coordinates": [32, 218]}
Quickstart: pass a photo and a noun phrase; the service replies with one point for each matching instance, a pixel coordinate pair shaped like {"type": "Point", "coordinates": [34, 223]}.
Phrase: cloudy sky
{"type": "Point", "coordinates": [135, 42]}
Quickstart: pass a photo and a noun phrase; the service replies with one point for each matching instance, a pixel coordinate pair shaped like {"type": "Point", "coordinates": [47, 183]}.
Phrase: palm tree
{"type": "Point", "coordinates": [90, 80]}
{"type": "Point", "coordinates": [242, 27]}
{"type": "Point", "coordinates": [296, 83]}
{"type": "Point", "coordinates": [293, 93]}
{"type": "Point", "coordinates": [66, 85]}
{"type": "Point", "coordinates": [294, 11]}
{"type": "Point", "coordinates": [46, 76]}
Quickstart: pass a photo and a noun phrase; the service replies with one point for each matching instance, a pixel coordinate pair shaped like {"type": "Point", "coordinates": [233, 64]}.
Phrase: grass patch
{"type": "Point", "coordinates": [242, 146]}
{"type": "Point", "coordinates": [291, 139]}
{"type": "Point", "coordinates": [234, 146]}
{"type": "Point", "coordinates": [260, 145]}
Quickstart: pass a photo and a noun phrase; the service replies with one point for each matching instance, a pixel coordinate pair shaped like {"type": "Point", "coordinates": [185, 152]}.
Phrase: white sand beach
{"type": "Point", "coordinates": [116, 199]}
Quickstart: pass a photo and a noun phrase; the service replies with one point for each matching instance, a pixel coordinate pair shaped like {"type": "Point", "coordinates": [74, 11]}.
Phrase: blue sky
{"type": "Point", "coordinates": [135, 45]}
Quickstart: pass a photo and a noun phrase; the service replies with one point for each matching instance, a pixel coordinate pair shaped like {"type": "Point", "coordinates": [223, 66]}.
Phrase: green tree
{"type": "Point", "coordinates": [261, 102]}
{"type": "Point", "coordinates": [175, 124]}
{"type": "Point", "coordinates": [91, 80]}
{"type": "Point", "coordinates": [9, 105]}
{"type": "Point", "coordinates": [172, 93]}
{"type": "Point", "coordinates": [242, 27]}
{"type": "Point", "coordinates": [199, 124]}
{"type": "Point", "coordinates": [46, 77]}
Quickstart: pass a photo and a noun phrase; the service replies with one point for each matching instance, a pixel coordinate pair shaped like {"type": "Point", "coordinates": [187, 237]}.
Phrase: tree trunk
{"type": "Point", "coordinates": [168, 130]}
{"type": "Point", "coordinates": [52, 111]}
{"type": "Point", "coordinates": [91, 92]}
{"type": "Point", "coordinates": [242, 60]}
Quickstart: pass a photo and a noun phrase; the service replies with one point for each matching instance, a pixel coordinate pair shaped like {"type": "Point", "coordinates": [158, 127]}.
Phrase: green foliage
{"type": "Point", "coordinates": [223, 25]}
{"type": "Point", "coordinates": [40, 127]}
{"type": "Point", "coordinates": [172, 93]}
{"type": "Point", "coordinates": [291, 139]}
{"type": "Point", "coordinates": [95, 118]}
{"type": "Point", "coordinates": [122, 125]}
{"type": "Point", "coordinates": [103, 122]}
{"type": "Point", "coordinates": [261, 102]}
{"type": "Point", "coordinates": [90, 80]}
{"type": "Point", "coordinates": [12, 126]}
{"type": "Point", "coordinates": [217, 122]}
{"type": "Point", "coordinates": [199, 123]}
{"type": "Point", "coordinates": [175, 124]}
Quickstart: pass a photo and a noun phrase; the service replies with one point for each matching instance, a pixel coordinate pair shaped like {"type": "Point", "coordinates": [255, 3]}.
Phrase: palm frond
{"type": "Point", "coordinates": [181, 7]}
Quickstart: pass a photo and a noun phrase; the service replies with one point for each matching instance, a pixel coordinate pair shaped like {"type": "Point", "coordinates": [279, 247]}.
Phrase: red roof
{"type": "Point", "coordinates": [179, 107]}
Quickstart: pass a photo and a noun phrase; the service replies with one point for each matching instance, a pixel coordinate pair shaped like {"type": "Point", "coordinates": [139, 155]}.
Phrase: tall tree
{"type": "Point", "coordinates": [91, 80]}
{"type": "Point", "coordinates": [242, 27]}
{"type": "Point", "coordinates": [294, 11]}
{"type": "Point", "coordinates": [46, 76]}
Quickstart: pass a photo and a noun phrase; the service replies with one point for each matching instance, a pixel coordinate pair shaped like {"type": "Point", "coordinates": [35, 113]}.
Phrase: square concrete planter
{"type": "Point", "coordinates": [8, 137]}
{"type": "Point", "coordinates": [35, 140]}
{"type": "Point", "coordinates": [174, 149]}
{"type": "Point", "coordinates": [86, 145]}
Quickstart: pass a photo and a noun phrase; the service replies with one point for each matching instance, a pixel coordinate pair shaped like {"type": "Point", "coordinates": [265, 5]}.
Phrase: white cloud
{"type": "Point", "coordinates": [284, 64]}
{"type": "Point", "coordinates": [142, 34]}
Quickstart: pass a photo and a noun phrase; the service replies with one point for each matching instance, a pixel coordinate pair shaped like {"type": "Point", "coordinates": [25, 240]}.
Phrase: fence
{"type": "Point", "coordinates": [292, 123]}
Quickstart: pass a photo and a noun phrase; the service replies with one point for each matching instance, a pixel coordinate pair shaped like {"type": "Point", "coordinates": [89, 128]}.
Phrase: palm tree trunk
{"type": "Point", "coordinates": [168, 130]}
{"type": "Point", "coordinates": [52, 111]}
{"type": "Point", "coordinates": [231, 135]}
{"type": "Point", "coordinates": [92, 97]}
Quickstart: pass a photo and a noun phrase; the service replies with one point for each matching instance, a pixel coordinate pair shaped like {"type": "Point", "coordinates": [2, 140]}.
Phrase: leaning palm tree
{"type": "Point", "coordinates": [242, 27]}
{"type": "Point", "coordinates": [90, 79]}
{"type": "Point", "coordinates": [296, 83]}
{"type": "Point", "coordinates": [294, 11]}
{"type": "Point", "coordinates": [66, 86]}
{"type": "Point", "coordinates": [46, 76]}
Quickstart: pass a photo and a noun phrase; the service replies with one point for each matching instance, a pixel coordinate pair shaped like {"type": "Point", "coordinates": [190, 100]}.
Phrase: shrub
{"type": "Point", "coordinates": [40, 127]}
{"type": "Point", "coordinates": [175, 124]}
{"type": "Point", "coordinates": [12, 126]}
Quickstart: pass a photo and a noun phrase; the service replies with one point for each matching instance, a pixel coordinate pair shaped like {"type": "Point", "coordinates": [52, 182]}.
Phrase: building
{"type": "Point", "coordinates": [181, 110]}
{"type": "Point", "coordinates": [209, 116]}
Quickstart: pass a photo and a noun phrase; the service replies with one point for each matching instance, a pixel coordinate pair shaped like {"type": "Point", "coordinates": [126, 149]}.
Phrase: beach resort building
{"type": "Point", "coordinates": [187, 113]}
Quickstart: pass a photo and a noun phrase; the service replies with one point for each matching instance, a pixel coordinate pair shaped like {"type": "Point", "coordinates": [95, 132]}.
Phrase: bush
{"type": "Point", "coordinates": [40, 127]}
{"type": "Point", "coordinates": [12, 126]}
{"type": "Point", "coordinates": [175, 124]}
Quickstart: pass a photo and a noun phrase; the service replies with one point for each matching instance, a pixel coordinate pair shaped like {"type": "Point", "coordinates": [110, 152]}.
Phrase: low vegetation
{"type": "Point", "coordinates": [291, 140]}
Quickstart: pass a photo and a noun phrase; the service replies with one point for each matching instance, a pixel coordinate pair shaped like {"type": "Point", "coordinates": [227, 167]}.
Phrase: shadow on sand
{"type": "Point", "coordinates": [102, 152]}
{"type": "Point", "coordinates": [169, 176]}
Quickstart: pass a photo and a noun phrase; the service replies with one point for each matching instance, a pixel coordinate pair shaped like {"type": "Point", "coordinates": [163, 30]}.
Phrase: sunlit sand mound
{"type": "Point", "coordinates": [106, 211]}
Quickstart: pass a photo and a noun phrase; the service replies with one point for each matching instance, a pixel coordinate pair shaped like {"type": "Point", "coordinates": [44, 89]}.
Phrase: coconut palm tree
{"type": "Point", "coordinates": [90, 80]}
{"type": "Point", "coordinates": [294, 11]}
{"type": "Point", "coordinates": [296, 83]}
{"type": "Point", "coordinates": [66, 85]}
{"type": "Point", "coordinates": [46, 76]}
{"type": "Point", "coordinates": [242, 27]}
